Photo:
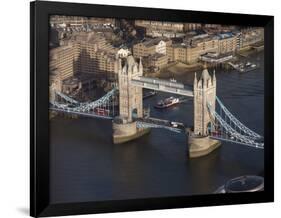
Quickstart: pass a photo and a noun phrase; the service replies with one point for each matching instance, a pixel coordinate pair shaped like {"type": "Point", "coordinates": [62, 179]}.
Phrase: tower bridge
{"type": "Point", "coordinates": [213, 122]}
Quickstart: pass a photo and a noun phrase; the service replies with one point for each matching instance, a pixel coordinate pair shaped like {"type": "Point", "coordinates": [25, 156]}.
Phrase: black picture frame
{"type": "Point", "coordinates": [39, 104]}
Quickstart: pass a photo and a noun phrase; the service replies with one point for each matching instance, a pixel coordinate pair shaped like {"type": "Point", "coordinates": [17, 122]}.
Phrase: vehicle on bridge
{"type": "Point", "coordinates": [216, 133]}
{"type": "Point", "coordinates": [101, 111]}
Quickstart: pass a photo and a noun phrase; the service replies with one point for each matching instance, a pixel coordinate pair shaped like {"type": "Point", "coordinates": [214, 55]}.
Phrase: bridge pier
{"type": "Point", "coordinates": [201, 145]}
{"type": "Point", "coordinates": [124, 131]}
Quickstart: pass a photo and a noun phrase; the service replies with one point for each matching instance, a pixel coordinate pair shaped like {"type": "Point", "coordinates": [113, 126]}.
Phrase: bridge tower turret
{"type": "Point", "coordinates": [204, 94]}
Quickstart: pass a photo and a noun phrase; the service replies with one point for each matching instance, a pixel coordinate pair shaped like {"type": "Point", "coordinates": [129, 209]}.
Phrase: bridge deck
{"type": "Point", "coordinates": [160, 123]}
{"type": "Point", "coordinates": [256, 145]}
{"type": "Point", "coordinates": [162, 85]}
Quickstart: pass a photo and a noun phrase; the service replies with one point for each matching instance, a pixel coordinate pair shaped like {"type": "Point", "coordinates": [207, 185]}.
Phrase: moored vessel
{"type": "Point", "coordinates": [168, 102]}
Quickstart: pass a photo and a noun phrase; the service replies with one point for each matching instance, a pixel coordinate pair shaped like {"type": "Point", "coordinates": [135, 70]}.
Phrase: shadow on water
{"type": "Point", "coordinates": [202, 170]}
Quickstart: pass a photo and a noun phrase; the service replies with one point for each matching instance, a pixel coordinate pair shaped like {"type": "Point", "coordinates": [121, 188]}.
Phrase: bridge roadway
{"type": "Point", "coordinates": [150, 122]}
{"type": "Point", "coordinates": [162, 85]}
{"type": "Point", "coordinates": [228, 139]}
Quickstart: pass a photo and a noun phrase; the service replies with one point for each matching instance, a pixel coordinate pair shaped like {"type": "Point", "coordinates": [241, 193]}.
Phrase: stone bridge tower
{"type": "Point", "coordinates": [199, 141]}
{"type": "Point", "coordinates": [130, 101]}
{"type": "Point", "coordinates": [204, 94]}
{"type": "Point", "coordinates": [130, 97]}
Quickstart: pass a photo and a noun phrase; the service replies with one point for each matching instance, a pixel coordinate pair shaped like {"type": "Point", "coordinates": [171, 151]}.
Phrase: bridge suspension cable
{"type": "Point", "coordinates": [236, 122]}
{"type": "Point", "coordinates": [100, 102]}
{"type": "Point", "coordinates": [231, 132]}
{"type": "Point", "coordinates": [104, 106]}
{"type": "Point", "coordinates": [236, 136]}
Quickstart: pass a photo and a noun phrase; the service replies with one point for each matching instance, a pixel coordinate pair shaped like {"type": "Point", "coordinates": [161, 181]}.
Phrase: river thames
{"type": "Point", "coordinates": [87, 166]}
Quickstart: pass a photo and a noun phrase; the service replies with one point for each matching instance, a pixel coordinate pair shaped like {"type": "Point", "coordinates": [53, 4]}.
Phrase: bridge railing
{"type": "Point", "coordinates": [160, 82]}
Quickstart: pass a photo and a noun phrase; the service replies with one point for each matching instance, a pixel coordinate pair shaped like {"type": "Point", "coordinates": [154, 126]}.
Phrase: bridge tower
{"type": "Point", "coordinates": [130, 101]}
{"type": "Point", "coordinates": [204, 90]}
{"type": "Point", "coordinates": [204, 93]}
{"type": "Point", "coordinates": [130, 97]}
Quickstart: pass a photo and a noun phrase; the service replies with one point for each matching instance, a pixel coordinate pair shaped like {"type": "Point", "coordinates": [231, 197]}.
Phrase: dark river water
{"type": "Point", "coordinates": [87, 166]}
